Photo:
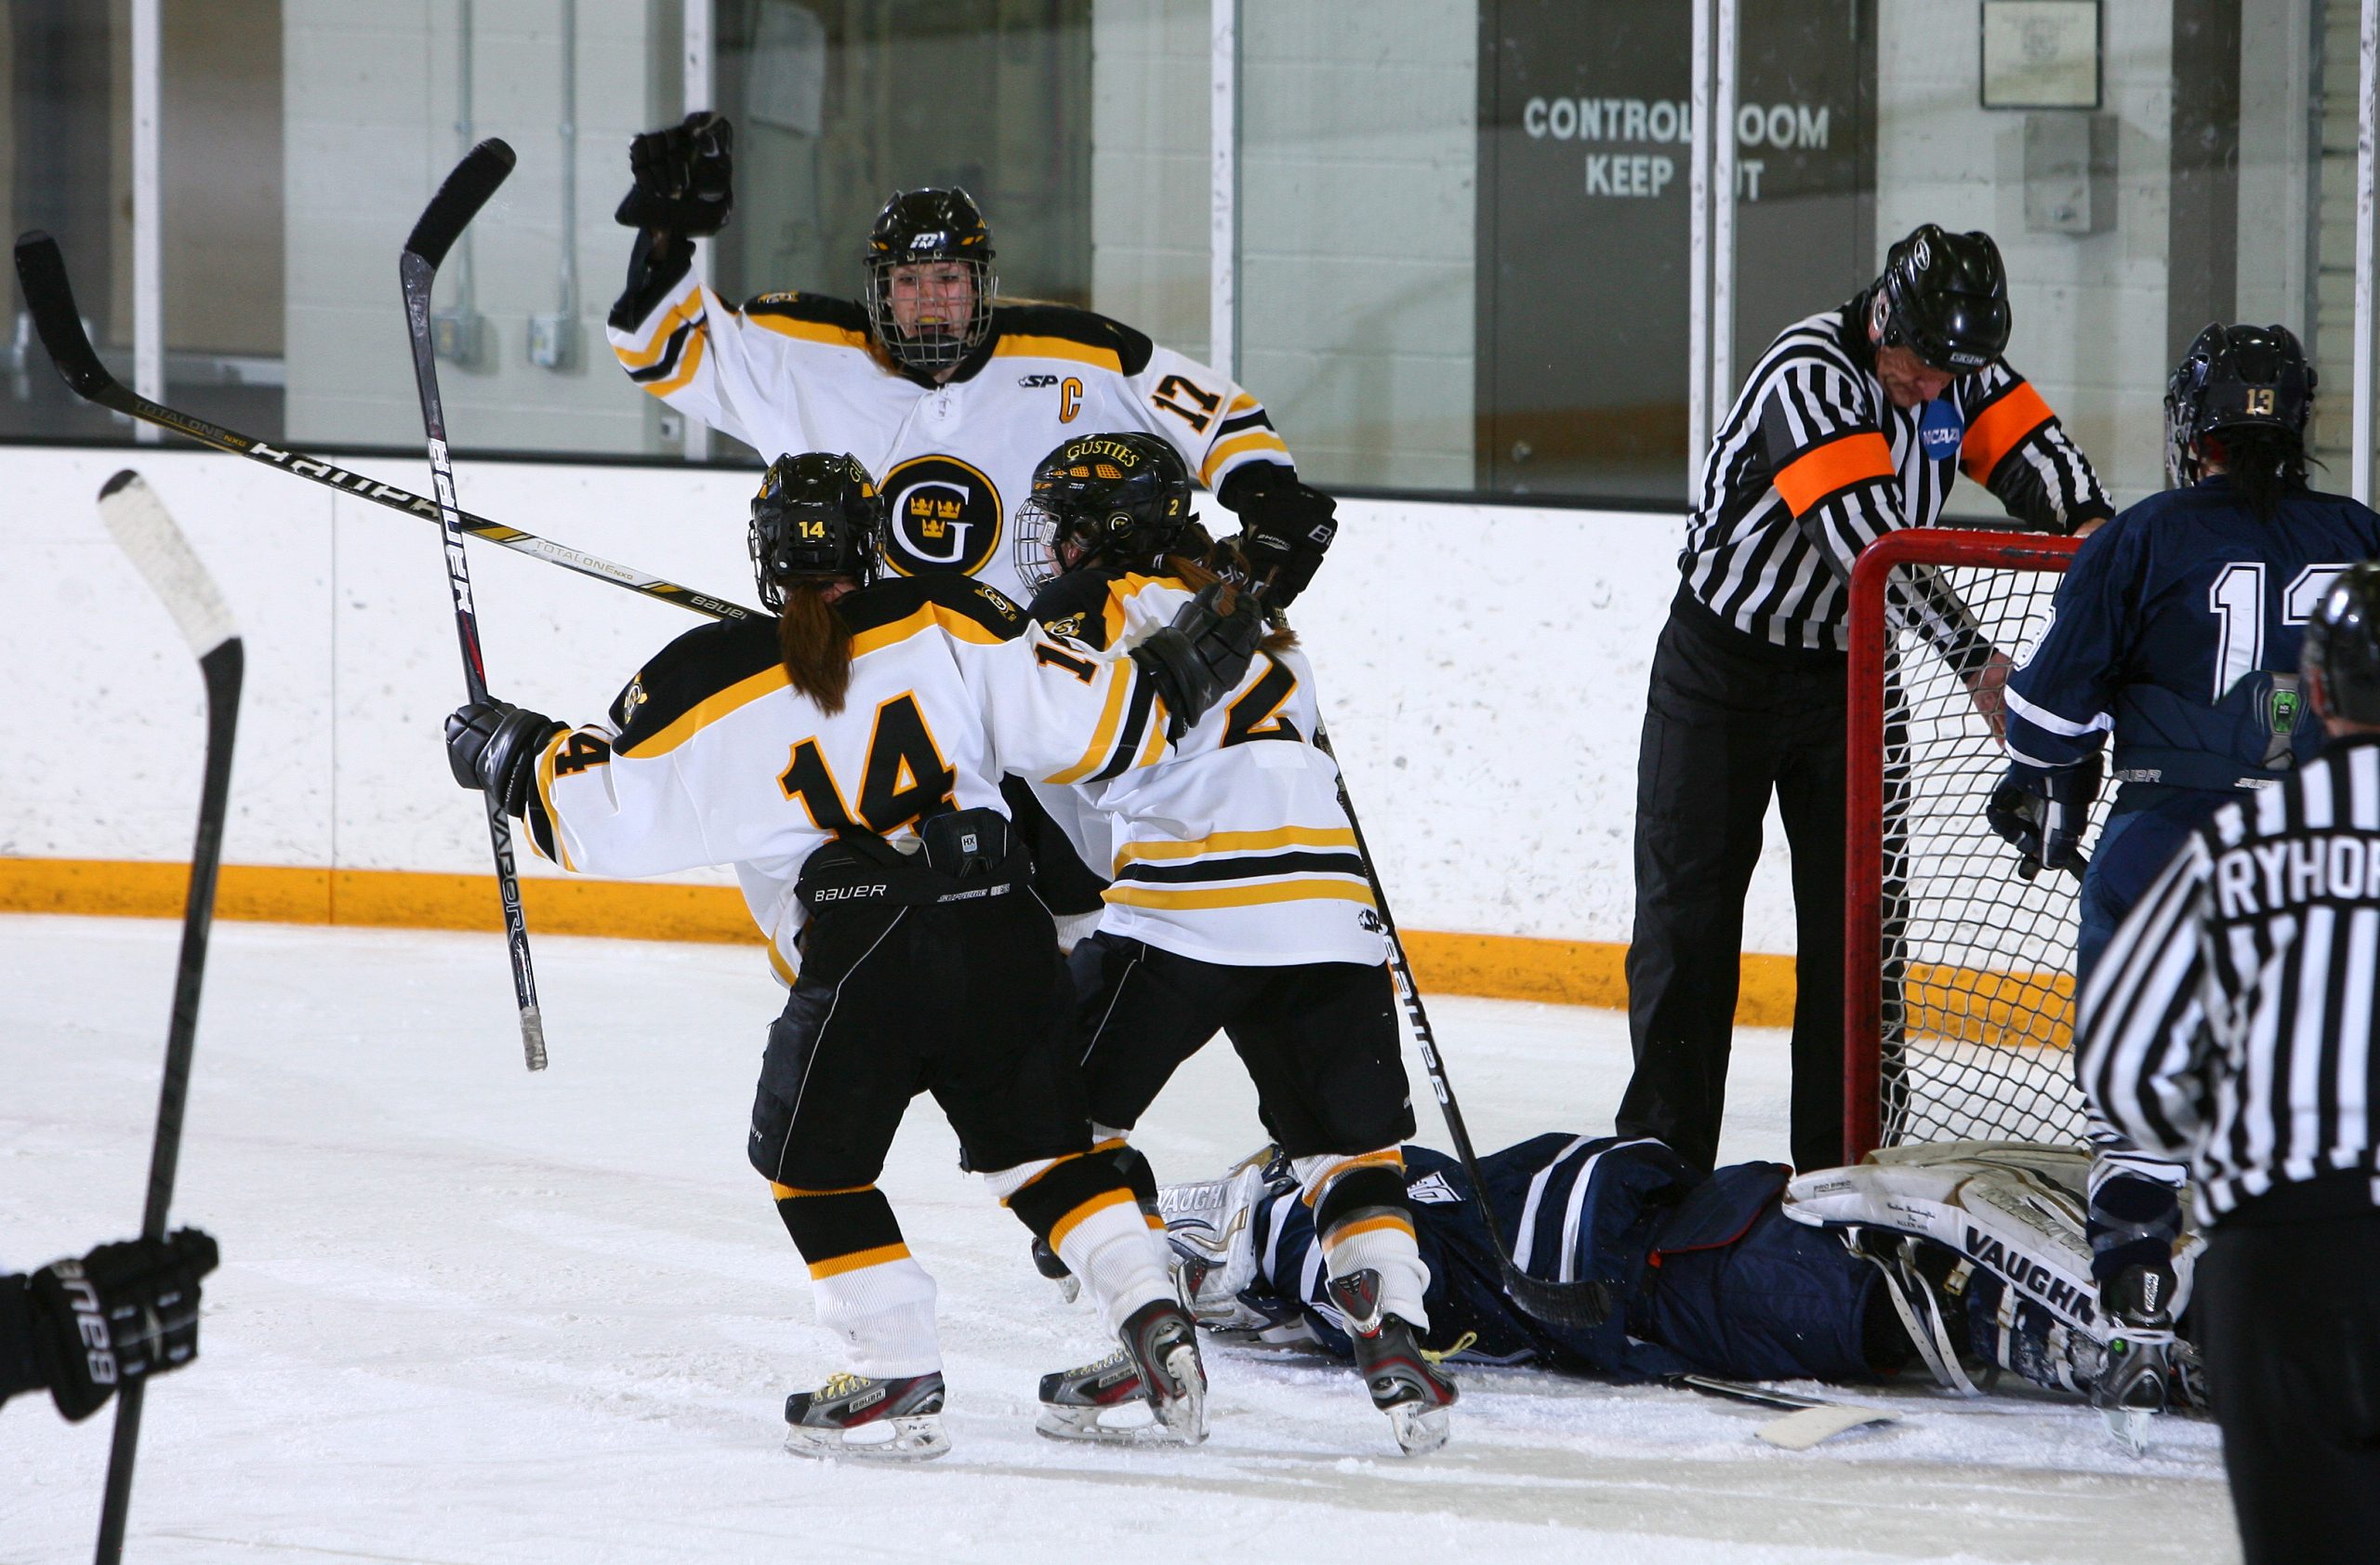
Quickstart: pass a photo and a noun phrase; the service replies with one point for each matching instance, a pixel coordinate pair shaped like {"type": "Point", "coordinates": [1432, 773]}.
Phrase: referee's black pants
{"type": "Point", "coordinates": [2292, 1337]}
{"type": "Point", "coordinates": [1730, 721]}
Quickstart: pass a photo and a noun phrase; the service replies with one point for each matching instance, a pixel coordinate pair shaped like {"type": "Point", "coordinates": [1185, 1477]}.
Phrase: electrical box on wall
{"type": "Point", "coordinates": [2069, 173]}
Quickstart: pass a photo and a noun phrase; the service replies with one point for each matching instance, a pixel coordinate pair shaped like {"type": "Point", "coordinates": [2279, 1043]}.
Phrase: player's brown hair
{"type": "Point", "coordinates": [815, 644]}
{"type": "Point", "coordinates": [1196, 574]}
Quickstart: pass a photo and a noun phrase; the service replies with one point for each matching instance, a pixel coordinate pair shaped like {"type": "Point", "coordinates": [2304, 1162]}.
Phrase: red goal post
{"type": "Point", "coordinates": [1956, 998]}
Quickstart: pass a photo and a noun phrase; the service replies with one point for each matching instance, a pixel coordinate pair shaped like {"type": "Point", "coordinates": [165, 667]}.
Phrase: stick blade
{"type": "Point", "coordinates": [49, 300]}
{"type": "Point", "coordinates": [1583, 1306]}
{"type": "Point", "coordinates": [1800, 1431]}
{"type": "Point", "coordinates": [145, 532]}
{"type": "Point", "coordinates": [459, 199]}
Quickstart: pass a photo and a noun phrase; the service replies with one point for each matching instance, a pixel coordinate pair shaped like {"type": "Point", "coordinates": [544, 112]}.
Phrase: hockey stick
{"type": "Point", "coordinates": [157, 548]}
{"type": "Point", "coordinates": [1807, 1421]}
{"type": "Point", "coordinates": [41, 271]}
{"type": "Point", "coordinates": [449, 212]}
{"type": "Point", "coordinates": [1583, 1305]}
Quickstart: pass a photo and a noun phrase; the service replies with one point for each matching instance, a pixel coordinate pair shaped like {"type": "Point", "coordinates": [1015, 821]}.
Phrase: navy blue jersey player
{"type": "Point", "coordinates": [2175, 636]}
{"type": "Point", "coordinates": [2176, 629]}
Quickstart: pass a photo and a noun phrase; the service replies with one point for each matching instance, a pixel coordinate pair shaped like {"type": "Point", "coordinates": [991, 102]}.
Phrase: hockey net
{"type": "Point", "coordinates": [1959, 991]}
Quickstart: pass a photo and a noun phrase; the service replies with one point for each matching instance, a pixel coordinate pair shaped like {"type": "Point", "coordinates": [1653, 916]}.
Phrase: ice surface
{"type": "Point", "coordinates": [466, 1314]}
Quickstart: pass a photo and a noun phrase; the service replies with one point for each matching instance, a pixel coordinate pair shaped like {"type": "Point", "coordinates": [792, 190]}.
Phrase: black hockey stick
{"type": "Point", "coordinates": [154, 545]}
{"type": "Point", "coordinates": [1583, 1305]}
{"type": "Point", "coordinates": [449, 212]}
{"type": "Point", "coordinates": [41, 271]}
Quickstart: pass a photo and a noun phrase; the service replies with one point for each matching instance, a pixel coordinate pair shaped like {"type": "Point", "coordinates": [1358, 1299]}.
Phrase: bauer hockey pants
{"type": "Point", "coordinates": [2292, 1333]}
{"type": "Point", "coordinates": [1730, 722]}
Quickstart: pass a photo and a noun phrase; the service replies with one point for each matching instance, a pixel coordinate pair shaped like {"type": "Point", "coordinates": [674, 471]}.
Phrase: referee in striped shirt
{"type": "Point", "coordinates": [1853, 423]}
{"type": "Point", "coordinates": [2233, 1022]}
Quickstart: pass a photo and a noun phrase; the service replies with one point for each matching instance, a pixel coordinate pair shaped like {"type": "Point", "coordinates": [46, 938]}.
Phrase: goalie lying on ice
{"type": "Point", "coordinates": [1967, 1257]}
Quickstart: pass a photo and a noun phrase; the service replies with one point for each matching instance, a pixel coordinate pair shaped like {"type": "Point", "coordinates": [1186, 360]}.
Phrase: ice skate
{"type": "Point", "coordinates": [1405, 1385]}
{"type": "Point", "coordinates": [1102, 1400]}
{"type": "Point", "coordinates": [873, 1420]}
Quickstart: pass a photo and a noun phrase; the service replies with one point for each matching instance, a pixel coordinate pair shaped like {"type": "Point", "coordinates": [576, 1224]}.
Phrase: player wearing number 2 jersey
{"type": "Point", "coordinates": [947, 396]}
{"type": "Point", "coordinates": [846, 758]}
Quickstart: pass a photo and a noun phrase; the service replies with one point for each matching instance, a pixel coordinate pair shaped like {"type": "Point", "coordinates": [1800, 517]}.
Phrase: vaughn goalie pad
{"type": "Point", "coordinates": [2015, 1291]}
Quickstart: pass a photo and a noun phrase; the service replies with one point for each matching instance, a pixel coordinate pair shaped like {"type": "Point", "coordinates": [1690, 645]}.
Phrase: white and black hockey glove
{"type": "Point", "coordinates": [1195, 661]}
{"type": "Point", "coordinates": [494, 746]}
{"type": "Point", "coordinates": [685, 178]}
{"type": "Point", "coordinates": [2042, 811]}
{"type": "Point", "coordinates": [121, 1312]}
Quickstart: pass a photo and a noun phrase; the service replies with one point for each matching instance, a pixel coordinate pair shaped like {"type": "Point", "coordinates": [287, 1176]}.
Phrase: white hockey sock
{"type": "Point", "coordinates": [1119, 1258]}
{"type": "Point", "coordinates": [883, 1312]}
{"type": "Point", "coordinates": [1368, 1223]}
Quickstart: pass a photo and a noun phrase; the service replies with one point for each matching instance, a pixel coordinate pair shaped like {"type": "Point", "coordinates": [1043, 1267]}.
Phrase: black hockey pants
{"type": "Point", "coordinates": [1730, 721]}
{"type": "Point", "coordinates": [2292, 1333]}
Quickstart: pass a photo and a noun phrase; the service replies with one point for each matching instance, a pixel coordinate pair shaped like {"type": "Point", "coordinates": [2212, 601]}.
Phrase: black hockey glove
{"type": "Point", "coordinates": [1196, 659]}
{"type": "Point", "coordinates": [494, 746]}
{"type": "Point", "coordinates": [685, 178]}
{"type": "Point", "coordinates": [1285, 528]}
{"type": "Point", "coordinates": [2044, 814]}
{"type": "Point", "coordinates": [121, 1312]}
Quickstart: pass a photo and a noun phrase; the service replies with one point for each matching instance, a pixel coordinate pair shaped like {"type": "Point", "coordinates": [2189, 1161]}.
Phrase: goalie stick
{"type": "Point", "coordinates": [156, 546]}
{"type": "Point", "coordinates": [49, 300]}
{"type": "Point", "coordinates": [450, 211]}
{"type": "Point", "coordinates": [1583, 1305]}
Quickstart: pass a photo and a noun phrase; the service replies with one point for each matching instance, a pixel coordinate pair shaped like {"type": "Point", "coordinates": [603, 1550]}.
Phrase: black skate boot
{"type": "Point", "coordinates": [1161, 1349]}
{"type": "Point", "coordinates": [1404, 1384]}
{"type": "Point", "coordinates": [876, 1420]}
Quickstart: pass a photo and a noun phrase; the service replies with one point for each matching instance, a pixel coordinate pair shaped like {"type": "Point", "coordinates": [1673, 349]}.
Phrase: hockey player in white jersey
{"type": "Point", "coordinates": [846, 759]}
{"type": "Point", "coordinates": [1238, 903]}
{"type": "Point", "coordinates": [946, 394]}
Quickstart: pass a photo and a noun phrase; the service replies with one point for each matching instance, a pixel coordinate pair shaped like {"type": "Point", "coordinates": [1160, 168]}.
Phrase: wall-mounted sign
{"type": "Point", "coordinates": [2040, 54]}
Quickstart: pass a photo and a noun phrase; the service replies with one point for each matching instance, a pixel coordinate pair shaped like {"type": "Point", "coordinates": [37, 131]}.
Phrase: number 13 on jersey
{"type": "Point", "coordinates": [2237, 600]}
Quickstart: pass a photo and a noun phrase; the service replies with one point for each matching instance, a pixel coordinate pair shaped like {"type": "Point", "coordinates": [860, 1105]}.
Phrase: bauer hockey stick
{"type": "Point", "coordinates": [1583, 1305]}
{"type": "Point", "coordinates": [157, 548]}
{"type": "Point", "coordinates": [41, 271]}
{"type": "Point", "coordinates": [449, 212]}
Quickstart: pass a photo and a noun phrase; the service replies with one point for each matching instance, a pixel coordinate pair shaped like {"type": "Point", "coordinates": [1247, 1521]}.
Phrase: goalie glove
{"type": "Point", "coordinates": [685, 178]}
{"type": "Point", "coordinates": [494, 746]}
{"type": "Point", "coordinates": [1196, 660]}
{"type": "Point", "coordinates": [2042, 811]}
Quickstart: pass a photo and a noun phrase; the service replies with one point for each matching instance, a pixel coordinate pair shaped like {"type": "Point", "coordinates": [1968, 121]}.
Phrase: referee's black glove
{"type": "Point", "coordinates": [121, 1312]}
{"type": "Point", "coordinates": [685, 178]}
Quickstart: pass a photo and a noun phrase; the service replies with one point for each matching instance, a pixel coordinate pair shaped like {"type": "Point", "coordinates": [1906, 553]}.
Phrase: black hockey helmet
{"type": "Point", "coordinates": [2235, 378]}
{"type": "Point", "coordinates": [1945, 298]}
{"type": "Point", "coordinates": [817, 518]}
{"type": "Point", "coordinates": [930, 225]}
{"type": "Point", "coordinates": [1119, 500]}
{"type": "Point", "coordinates": [2340, 658]}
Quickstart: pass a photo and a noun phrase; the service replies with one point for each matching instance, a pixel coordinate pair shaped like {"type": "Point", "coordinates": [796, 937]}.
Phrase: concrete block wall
{"type": "Point", "coordinates": [1150, 237]}
{"type": "Point", "coordinates": [370, 96]}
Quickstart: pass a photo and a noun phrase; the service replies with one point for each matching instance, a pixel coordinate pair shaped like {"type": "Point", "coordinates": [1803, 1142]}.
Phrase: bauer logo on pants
{"type": "Point", "coordinates": [942, 515]}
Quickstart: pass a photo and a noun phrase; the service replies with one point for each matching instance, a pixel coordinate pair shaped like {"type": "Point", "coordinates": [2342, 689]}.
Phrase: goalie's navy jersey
{"type": "Point", "coordinates": [2169, 630]}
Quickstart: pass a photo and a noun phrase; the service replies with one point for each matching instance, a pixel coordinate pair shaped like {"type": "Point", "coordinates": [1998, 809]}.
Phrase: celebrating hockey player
{"type": "Point", "coordinates": [2176, 631]}
{"type": "Point", "coordinates": [846, 758]}
{"type": "Point", "coordinates": [1240, 904]}
{"type": "Point", "coordinates": [1855, 422]}
{"type": "Point", "coordinates": [1967, 1259]}
{"type": "Point", "coordinates": [82, 1328]}
{"type": "Point", "coordinates": [945, 393]}
{"type": "Point", "coordinates": [2230, 1021]}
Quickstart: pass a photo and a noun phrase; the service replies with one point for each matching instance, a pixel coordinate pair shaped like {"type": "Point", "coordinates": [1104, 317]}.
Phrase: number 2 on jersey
{"type": "Point", "coordinates": [2237, 602]}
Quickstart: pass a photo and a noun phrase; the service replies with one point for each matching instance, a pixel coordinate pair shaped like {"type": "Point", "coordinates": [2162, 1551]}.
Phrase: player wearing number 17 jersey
{"type": "Point", "coordinates": [846, 759]}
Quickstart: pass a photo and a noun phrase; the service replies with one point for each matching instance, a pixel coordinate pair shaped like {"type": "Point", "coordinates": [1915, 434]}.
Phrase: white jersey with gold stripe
{"type": "Point", "coordinates": [1235, 851]}
{"type": "Point", "coordinates": [709, 757]}
{"type": "Point", "coordinates": [797, 372]}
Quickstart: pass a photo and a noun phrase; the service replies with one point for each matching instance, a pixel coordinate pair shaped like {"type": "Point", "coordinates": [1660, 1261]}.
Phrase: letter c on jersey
{"type": "Point", "coordinates": [942, 516]}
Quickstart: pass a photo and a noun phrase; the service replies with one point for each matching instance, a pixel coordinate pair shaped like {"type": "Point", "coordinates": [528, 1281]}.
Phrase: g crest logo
{"type": "Point", "coordinates": [942, 516]}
